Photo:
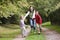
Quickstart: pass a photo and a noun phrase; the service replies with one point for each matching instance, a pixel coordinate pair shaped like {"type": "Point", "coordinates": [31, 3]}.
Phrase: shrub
{"type": "Point", "coordinates": [55, 16]}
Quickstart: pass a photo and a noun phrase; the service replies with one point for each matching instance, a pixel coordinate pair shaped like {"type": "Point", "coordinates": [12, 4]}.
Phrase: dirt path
{"type": "Point", "coordinates": [19, 37]}
{"type": "Point", "coordinates": [51, 35]}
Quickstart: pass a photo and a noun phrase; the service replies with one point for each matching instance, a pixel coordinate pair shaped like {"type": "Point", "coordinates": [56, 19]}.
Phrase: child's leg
{"type": "Point", "coordinates": [40, 26]}
{"type": "Point", "coordinates": [38, 29]}
{"type": "Point", "coordinates": [24, 32]}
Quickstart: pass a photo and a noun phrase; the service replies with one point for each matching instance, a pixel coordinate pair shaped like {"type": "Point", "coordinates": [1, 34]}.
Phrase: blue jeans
{"type": "Point", "coordinates": [33, 23]}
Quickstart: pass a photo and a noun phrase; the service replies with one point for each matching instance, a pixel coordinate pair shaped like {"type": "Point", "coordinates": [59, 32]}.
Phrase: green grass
{"type": "Point", "coordinates": [6, 38]}
{"type": "Point", "coordinates": [35, 37]}
{"type": "Point", "coordinates": [10, 26]}
{"type": "Point", "coordinates": [9, 31]}
{"type": "Point", "coordinates": [52, 27]}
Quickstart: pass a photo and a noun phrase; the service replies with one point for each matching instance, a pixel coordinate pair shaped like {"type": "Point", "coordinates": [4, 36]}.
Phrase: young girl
{"type": "Point", "coordinates": [38, 21]}
{"type": "Point", "coordinates": [22, 26]}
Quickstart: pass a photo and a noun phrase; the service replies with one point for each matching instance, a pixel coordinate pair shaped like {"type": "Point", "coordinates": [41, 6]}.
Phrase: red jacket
{"type": "Point", "coordinates": [38, 19]}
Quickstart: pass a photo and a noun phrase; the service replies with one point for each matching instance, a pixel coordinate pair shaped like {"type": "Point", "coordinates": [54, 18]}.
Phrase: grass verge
{"type": "Point", "coordinates": [6, 38]}
{"type": "Point", "coordinates": [8, 32]}
{"type": "Point", "coordinates": [52, 27]}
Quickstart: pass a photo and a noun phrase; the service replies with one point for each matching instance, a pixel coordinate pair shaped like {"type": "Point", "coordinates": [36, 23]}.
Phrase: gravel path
{"type": "Point", "coordinates": [19, 37]}
{"type": "Point", "coordinates": [51, 35]}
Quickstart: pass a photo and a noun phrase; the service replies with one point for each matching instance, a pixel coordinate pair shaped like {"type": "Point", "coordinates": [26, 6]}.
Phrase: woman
{"type": "Point", "coordinates": [31, 14]}
{"type": "Point", "coordinates": [32, 17]}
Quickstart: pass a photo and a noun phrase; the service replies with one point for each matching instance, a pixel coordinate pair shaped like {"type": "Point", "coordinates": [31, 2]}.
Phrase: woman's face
{"type": "Point", "coordinates": [31, 8]}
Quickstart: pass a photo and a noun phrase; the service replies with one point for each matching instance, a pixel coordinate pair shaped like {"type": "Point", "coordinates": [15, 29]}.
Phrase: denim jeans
{"type": "Point", "coordinates": [32, 23]}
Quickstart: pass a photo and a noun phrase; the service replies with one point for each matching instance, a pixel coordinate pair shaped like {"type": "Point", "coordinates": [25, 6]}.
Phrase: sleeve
{"type": "Point", "coordinates": [33, 14]}
{"type": "Point", "coordinates": [26, 15]}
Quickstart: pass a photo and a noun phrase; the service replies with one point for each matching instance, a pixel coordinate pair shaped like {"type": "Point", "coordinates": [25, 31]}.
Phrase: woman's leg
{"type": "Point", "coordinates": [34, 24]}
{"type": "Point", "coordinates": [31, 24]}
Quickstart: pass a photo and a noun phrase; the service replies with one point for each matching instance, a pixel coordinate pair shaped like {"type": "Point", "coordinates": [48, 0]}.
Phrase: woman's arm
{"type": "Point", "coordinates": [26, 15]}
{"type": "Point", "coordinates": [33, 15]}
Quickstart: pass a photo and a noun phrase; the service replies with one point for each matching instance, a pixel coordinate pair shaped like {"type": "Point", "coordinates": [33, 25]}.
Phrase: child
{"type": "Point", "coordinates": [22, 26]}
{"type": "Point", "coordinates": [38, 21]}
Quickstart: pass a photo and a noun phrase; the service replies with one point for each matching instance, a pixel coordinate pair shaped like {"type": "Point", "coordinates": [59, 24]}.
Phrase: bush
{"type": "Point", "coordinates": [4, 20]}
{"type": "Point", "coordinates": [55, 16]}
{"type": "Point", "coordinates": [14, 19]}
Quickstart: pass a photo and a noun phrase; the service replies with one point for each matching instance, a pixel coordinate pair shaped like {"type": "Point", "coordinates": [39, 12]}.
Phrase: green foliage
{"type": "Point", "coordinates": [10, 10]}
{"type": "Point", "coordinates": [12, 7]}
{"type": "Point", "coordinates": [3, 20]}
{"type": "Point", "coordinates": [45, 7]}
{"type": "Point", "coordinates": [55, 17]}
{"type": "Point", "coordinates": [14, 19]}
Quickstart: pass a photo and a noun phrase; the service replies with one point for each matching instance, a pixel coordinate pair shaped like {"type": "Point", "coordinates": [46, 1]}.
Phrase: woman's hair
{"type": "Point", "coordinates": [30, 9]}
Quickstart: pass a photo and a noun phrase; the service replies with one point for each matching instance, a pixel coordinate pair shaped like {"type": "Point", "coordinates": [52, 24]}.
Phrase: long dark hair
{"type": "Point", "coordinates": [30, 9]}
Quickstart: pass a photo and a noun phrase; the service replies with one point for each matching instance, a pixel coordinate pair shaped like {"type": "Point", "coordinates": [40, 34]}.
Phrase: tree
{"type": "Point", "coordinates": [14, 7]}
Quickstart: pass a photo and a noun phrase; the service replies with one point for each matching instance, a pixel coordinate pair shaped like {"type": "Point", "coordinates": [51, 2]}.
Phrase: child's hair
{"type": "Point", "coordinates": [21, 17]}
{"type": "Point", "coordinates": [37, 12]}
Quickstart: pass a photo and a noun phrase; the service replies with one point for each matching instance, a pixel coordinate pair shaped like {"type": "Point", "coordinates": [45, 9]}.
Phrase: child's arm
{"type": "Point", "coordinates": [26, 15]}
